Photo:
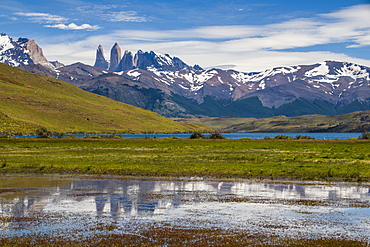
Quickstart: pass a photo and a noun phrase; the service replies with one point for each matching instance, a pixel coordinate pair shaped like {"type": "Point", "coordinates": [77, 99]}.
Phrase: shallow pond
{"type": "Point", "coordinates": [79, 208]}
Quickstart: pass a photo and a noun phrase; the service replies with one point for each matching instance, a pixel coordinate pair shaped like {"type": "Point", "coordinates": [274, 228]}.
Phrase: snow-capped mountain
{"type": "Point", "coordinates": [21, 52]}
{"type": "Point", "coordinates": [335, 82]}
{"type": "Point", "coordinates": [167, 85]}
{"type": "Point", "coordinates": [330, 81]}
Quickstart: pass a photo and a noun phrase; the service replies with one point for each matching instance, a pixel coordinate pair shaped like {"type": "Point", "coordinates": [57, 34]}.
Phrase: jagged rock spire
{"type": "Point", "coordinates": [100, 59]}
{"type": "Point", "coordinates": [115, 57]}
{"type": "Point", "coordinates": [127, 62]}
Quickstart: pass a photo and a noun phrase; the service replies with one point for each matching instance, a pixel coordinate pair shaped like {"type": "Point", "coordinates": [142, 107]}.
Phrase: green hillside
{"type": "Point", "coordinates": [351, 122]}
{"type": "Point", "coordinates": [29, 101]}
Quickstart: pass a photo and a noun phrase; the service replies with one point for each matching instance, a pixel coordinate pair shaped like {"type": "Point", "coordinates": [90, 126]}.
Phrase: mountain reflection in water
{"type": "Point", "coordinates": [279, 208]}
{"type": "Point", "coordinates": [135, 197]}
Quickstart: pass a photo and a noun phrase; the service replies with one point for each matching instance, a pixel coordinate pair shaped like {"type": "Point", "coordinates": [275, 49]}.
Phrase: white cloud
{"type": "Point", "coordinates": [347, 25]}
{"type": "Point", "coordinates": [247, 47]}
{"type": "Point", "coordinates": [43, 17]}
{"type": "Point", "coordinates": [58, 20]}
{"type": "Point", "coordinates": [110, 13]}
{"type": "Point", "coordinates": [124, 16]}
{"type": "Point", "coordinates": [73, 26]}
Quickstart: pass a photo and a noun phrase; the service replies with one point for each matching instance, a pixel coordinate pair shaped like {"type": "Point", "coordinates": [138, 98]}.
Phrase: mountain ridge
{"type": "Point", "coordinates": [172, 88]}
{"type": "Point", "coordinates": [355, 122]}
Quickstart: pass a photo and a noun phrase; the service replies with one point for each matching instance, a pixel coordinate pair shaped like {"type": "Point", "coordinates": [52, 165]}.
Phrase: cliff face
{"type": "Point", "coordinates": [100, 59]}
{"type": "Point", "coordinates": [37, 55]}
{"type": "Point", "coordinates": [115, 57]}
{"type": "Point", "coordinates": [126, 63]}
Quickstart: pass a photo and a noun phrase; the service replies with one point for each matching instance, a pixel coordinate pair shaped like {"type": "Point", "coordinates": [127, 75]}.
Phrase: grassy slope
{"type": "Point", "coordinates": [29, 101]}
{"type": "Point", "coordinates": [351, 122]}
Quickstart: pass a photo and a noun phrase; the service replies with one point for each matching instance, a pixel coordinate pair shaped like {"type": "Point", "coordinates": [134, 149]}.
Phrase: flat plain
{"type": "Point", "coordinates": [327, 160]}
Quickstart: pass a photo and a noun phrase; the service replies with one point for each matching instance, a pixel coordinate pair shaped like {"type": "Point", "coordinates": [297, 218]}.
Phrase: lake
{"type": "Point", "coordinates": [240, 135]}
{"type": "Point", "coordinates": [81, 208]}
{"type": "Point", "coordinates": [253, 135]}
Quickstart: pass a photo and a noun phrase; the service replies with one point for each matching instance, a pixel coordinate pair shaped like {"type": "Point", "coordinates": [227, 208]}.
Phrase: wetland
{"type": "Point", "coordinates": [181, 192]}
{"type": "Point", "coordinates": [179, 212]}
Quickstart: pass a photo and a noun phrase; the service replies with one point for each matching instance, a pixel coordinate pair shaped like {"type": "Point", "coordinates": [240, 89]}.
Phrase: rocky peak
{"type": "Point", "coordinates": [197, 67]}
{"type": "Point", "coordinates": [115, 57]}
{"type": "Point", "coordinates": [127, 62]}
{"type": "Point", "coordinates": [141, 60]}
{"type": "Point", "coordinates": [57, 64]}
{"type": "Point", "coordinates": [37, 55]}
{"type": "Point", "coordinates": [21, 52]}
{"type": "Point", "coordinates": [100, 59]}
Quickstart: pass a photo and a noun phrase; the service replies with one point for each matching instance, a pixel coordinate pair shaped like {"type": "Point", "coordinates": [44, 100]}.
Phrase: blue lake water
{"type": "Point", "coordinates": [325, 136]}
{"type": "Point", "coordinates": [251, 135]}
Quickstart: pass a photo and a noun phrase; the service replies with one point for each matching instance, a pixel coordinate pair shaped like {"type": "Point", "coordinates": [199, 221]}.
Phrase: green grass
{"type": "Point", "coordinates": [29, 101]}
{"type": "Point", "coordinates": [335, 160]}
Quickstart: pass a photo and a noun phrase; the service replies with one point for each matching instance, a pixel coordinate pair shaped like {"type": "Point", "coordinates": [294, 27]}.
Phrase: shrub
{"type": "Point", "coordinates": [304, 137]}
{"type": "Point", "coordinates": [58, 134]}
{"type": "Point", "coordinates": [5, 134]}
{"type": "Point", "coordinates": [282, 137]}
{"type": "Point", "coordinates": [216, 135]}
{"type": "Point", "coordinates": [197, 135]}
{"type": "Point", "coordinates": [365, 135]}
{"type": "Point", "coordinates": [43, 133]}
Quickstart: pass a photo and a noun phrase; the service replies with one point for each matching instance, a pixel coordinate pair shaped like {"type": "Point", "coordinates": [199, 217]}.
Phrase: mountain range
{"type": "Point", "coordinates": [167, 85]}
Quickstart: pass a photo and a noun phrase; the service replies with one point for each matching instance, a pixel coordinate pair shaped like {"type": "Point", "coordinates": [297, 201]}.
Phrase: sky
{"type": "Point", "coordinates": [245, 35]}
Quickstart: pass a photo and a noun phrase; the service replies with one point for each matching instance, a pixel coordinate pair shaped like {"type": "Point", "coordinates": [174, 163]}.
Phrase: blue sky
{"type": "Point", "coordinates": [246, 35]}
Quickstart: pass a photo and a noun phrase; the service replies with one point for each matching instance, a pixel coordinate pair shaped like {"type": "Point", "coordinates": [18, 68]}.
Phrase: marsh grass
{"type": "Point", "coordinates": [168, 235]}
{"type": "Point", "coordinates": [337, 160]}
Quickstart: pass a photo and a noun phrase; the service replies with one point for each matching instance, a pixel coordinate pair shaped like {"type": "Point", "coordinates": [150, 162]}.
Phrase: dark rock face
{"type": "Point", "coordinates": [100, 59]}
{"type": "Point", "coordinates": [144, 60]}
{"type": "Point", "coordinates": [141, 60]}
{"type": "Point", "coordinates": [57, 64]}
{"type": "Point", "coordinates": [115, 57]}
{"type": "Point", "coordinates": [126, 63]}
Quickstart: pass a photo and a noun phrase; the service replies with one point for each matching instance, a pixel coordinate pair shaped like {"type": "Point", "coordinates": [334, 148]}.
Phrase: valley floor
{"type": "Point", "coordinates": [333, 160]}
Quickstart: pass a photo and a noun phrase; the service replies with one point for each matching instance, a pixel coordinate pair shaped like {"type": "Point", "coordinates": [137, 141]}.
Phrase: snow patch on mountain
{"type": "Point", "coordinates": [133, 73]}
{"type": "Point", "coordinates": [164, 59]}
{"type": "Point", "coordinates": [322, 69]}
{"type": "Point", "coordinates": [5, 43]}
{"type": "Point", "coordinates": [353, 70]}
{"type": "Point", "coordinates": [21, 52]}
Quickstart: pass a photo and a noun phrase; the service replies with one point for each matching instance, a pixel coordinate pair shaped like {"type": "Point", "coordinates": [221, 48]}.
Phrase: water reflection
{"type": "Point", "coordinates": [149, 197]}
{"type": "Point", "coordinates": [243, 204]}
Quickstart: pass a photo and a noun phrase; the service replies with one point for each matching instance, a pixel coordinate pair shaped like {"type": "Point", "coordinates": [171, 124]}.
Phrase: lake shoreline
{"type": "Point", "coordinates": [227, 135]}
{"type": "Point", "coordinates": [286, 181]}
